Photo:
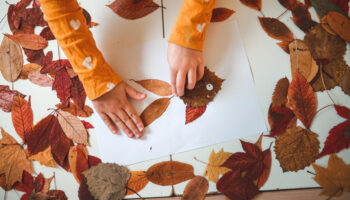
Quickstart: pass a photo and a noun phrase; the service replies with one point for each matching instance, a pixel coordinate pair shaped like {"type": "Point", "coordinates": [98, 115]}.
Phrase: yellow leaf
{"type": "Point", "coordinates": [213, 169]}
{"type": "Point", "coordinates": [335, 179]}
{"type": "Point", "coordinates": [44, 158]}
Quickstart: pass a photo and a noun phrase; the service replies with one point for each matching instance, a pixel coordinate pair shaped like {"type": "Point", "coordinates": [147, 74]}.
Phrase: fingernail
{"type": "Point", "coordinates": [115, 131]}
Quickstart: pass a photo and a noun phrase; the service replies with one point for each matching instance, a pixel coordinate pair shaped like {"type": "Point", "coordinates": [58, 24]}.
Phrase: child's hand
{"type": "Point", "coordinates": [184, 62]}
{"type": "Point", "coordinates": [116, 111]}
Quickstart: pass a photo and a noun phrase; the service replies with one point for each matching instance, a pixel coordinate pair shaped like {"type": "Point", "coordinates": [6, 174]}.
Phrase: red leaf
{"type": "Point", "coordinates": [27, 183]}
{"type": "Point", "coordinates": [28, 41]}
{"type": "Point", "coordinates": [221, 14]}
{"type": "Point", "coordinates": [56, 65]}
{"type": "Point", "coordinates": [252, 149]}
{"type": "Point", "coordinates": [236, 187]}
{"type": "Point", "coordinates": [280, 118]}
{"type": "Point", "coordinates": [7, 97]}
{"type": "Point", "coordinates": [193, 113]}
{"type": "Point", "coordinates": [84, 193]}
{"type": "Point", "coordinates": [343, 4]}
{"type": "Point", "coordinates": [342, 111]}
{"type": "Point", "coordinates": [86, 124]}
{"type": "Point", "coordinates": [337, 140]}
{"type": "Point", "coordinates": [62, 85]}
{"type": "Point", "coordinates": [93, 161]}
{"type": "Point", "coordinates": [254, 4]}
{"type": "Point", "coordinates": [47, 34]}
{"type": "Point", "coordinates": [81, 165]}
{"type": "Point", "coordinates": [39, 183]}
{"type": "Point", "coordinates": [267, 168]}
{"type": "Point", "coordinates": [78, 92]}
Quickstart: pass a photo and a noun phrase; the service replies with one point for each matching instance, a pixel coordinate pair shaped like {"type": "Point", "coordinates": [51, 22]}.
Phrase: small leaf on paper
{"type": "Point", "coordinates": [40, 79]}
{"type": "Point", "coordinates": [29, 41]}
{"type": "Point", "coordinates": [221, 14]}
{"type": "Point", "coordinates": [156, 86]}
{"type": "Point", "coordinates": [339, 24]}
{"type": "Point", "coordinates": [154, 110]}
{"type": "Point", "coordinates": [169, 173]}
{"type": "Point", "coordinates": [193, 113]}
{"type": "Point", "coordinates": [22, 117]}
{"type": "Point", "coordinates": [11, 59]}
{"type": "Point", "coordinates": [254, 4]}
{"type": "Point", "coordinates": [133, 9]}
{"type": "Point", "coordinates": [276, 29]}
{"type": "Point", "coordinates": [196, 189]}
{"type": "Point", "coordinates": [136, 182]}
{"type": "Point", "coordinates": [214, 168]}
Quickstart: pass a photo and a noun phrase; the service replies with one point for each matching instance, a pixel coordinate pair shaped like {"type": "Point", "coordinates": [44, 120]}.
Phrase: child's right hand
{"type": "Point", "coordinates": [117, 112]}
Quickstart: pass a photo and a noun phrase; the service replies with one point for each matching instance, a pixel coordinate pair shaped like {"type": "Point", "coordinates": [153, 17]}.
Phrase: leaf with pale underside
{"type": "Point", "coordinates": [40, 79]}
{"type": "Point", "coordinates": [11, 59]}
{"type": "Point", "coordinates": [29, 68]}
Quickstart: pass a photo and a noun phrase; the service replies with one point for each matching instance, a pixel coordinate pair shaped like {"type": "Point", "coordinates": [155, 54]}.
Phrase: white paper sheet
{"type": "Point", "coordinates": [234, 113]}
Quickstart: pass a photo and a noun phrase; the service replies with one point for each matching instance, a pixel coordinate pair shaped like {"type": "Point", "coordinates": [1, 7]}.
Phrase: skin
{"type": "Point", "coordinates": [115, 109]}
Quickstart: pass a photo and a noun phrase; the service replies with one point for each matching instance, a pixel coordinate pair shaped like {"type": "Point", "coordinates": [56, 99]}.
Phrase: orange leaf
{"type": "Point", "coordinates": [196, 189]}
{"type": "Point", "coordinates": [22, 117]}
{"type": "Point", "coordinates": [302, 99]}
{"type": "Point", "coordinates": [156, 86]}
{"type": "Point", "coordinates": [78, 162]}
{"type": "Point", "coordinates": [29, 41]}
{"type": "Point", "coordinates": [169, 173]}
{"type": "Point", "coordinates": [284, 45]}
{"type": "Point", "coordinates": [75, 110]}
{"type": "Point", "coordinates": [339, 24]}
{"type": "Point", "coordinates": [254, 4]}
{"type": "Point", "coordinates": [136, 182]}
{"type": "Point", "coordinates": [154, 110]}
{"type": "Point", "coordinates": [44, 158]}
{"type": "Point", "coordinates": [221, 14]}
{"type": "Point", "coordinates": [29, 68]}
{"type": "Point", "coordinates": [276, 29]}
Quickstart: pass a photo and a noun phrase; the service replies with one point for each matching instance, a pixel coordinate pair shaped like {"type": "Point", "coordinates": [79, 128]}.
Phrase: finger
{"type": "Point", "coordinates": [173, 80]}
{"type": "Point", "coordinates": [135, 117]}
{"type": "Point", "coordinates": [131, 92]}
{"type": "Point", "coordinates": [121, 124]}
{"type": "Point", "coordinates": [129, 123]}
{"type": "Point", "coordinates": [180, 83]}
{"type": "Point", "coordinates": [109, 123]}
{"type": "Point", "coordinates": [191, 78]}
{"type": "Point", "coordinates": [200, 71]}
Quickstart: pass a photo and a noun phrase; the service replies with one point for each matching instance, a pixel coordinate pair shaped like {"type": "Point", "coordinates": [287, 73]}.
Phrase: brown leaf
{"type": "Point", "coordinates": [75, 110]}
{"type": "Point", "coordinates": [221, 14]}
{"type": "Point", "coordinates": [345, 83]}
{"type": "Point", "coordinates": [339, 24]}
{"type": "Point", "coordinates": [154, 110]}
{"type": "Point", "coordinates": [22, 117]}
{"type": "Point", "coordinates": [29, 68]}
{"type": "Point", "coordinates": [301, 60]}
{"type": "Point", "coordinates": [279, 97]}
{"type": "Point", "coordinates": [11, 59]}
{"type": "Point", "coordinates": [107, 181]}
{"type": "Point", "coordinates": [133, 9]}
{"type": "Point", "coordinates": [156, 86]}
{"type": "Point", "coordinates": [276, 29]}
{"type": "Point", "coordinates": [13, 160]}
{"type": "Point", "coordinates": [196, 189]}
{"type": "Point", "coordinates": [302, 99]}
{"type": "Point", "coordinates": [136, 182]}
{"type": "Point", "coordinates": [254, 4]}
{"type": "Point", "coordinates": [40, 79]}
{"type": "Point", "coordinates": [169, 173]}
{"type": "Point", "coordinates": [284, 45]}
{"type": "Point", "coordinates": [78, 162]}
{"type": "Point", "coordinates": [44, 158]}
{"type": "Point", "coordinates": [296, 149]}
{"type": "Point", "coordinates": [324, 7]}
{"type": "Point", "coordinates": [29, 41]}
{"type": "Point", "coordinates": [326, 26]}
{"type": "Point", "coordinates": [73, 127]}
{"type": "Point", "coordinates": [214, 168]}
{"type": "Point", "coordinates": [302, 17]}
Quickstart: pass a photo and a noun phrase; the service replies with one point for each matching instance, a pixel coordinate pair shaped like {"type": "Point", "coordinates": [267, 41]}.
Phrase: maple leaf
{"type": "Point", "coordinates": [13, 161]}
{"type": "Point", "coordinates": [11, 59]}
{"type": "Point", "coordinates": [196, 188]}
{"type": "Point", "coordinates": [193, 113]}
{"type": "Point", "coordinates": [7, 97]}
{"type": "Point", "coordinates": [62, 85]}
{"type": "Point", "coordinates": [296, 149]}
{"type": "Point", "coordinates": [221, 14]}
{"type": "Point", "coordinates": [129, 9]}
{"type": "Point", "coordinates": [169, 173]}
{"type": "Point", "coordinates": [154, 110]}
{"type": "Point", "coordinates": [156, 86]}
{"type": "Point", "coordinates": [254, 4]}
{"type": "Point", "coordinates": [335, 179]}
{"type": "Point", "coordinates": [276, 29]}
{"type": "Point", "coordinates": [22, 117]}
{"type": "Point", "coordinates": [136, 182]}
{"type": "Point", "coordinates": [29, 185]}
{"type": "Point", "coordinates": [214, 168]}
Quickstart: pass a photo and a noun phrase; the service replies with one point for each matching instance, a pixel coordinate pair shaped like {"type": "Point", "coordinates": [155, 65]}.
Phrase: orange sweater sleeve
{"type": "Point", "coordinates": [191, 24]}
{"type": "Point", "coordinates": [68, 24]}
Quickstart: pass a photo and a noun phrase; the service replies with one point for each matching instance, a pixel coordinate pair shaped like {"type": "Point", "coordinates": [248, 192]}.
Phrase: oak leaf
{"type": "Point", "coordinates": [196, 189]}
{"type": "Point", "coordinates": [78, 161]}
{"type": "Point", "coordinates": [193, 113]}
{"type": "Point", "coordinates": [221, 14]}
{"type": "Point", "coordinates": [339, 24]}
{"type": "Point", "coordinates": [214, 168]}
{"type": "Point", "coordinates": [335, 179]}
{"type": "Point", "coordinates": [302, 99]}
{"type": "Point", "coordinates": [296, 149]}
{"type": "Point", "coordinates": [22, 117]}
{"type": "Point", "coordinates": [169, 173]}
{"type": "Point", "coordinates": [75, 110]}
{"type": "Point", "coordinates": [156, 86]}
{"type": "Point", "coordinates": [40, 79]}
{"type": "Point", "coordinates": [7, 97]}
{"type": "Point", "coordinates": [254, 4]}
{"type": "Point", "coordinates": [29, 41]}
{"type": "Point", "coordinates": [136, 182]}
{"type": "Point", "coordinates": [29, 68]}
{"type": "Point", "coordinates": [129, 9]}
{"type": "Point", "coordinates": [73, 127]}
{"type": "Point", "coordinates": [154, 110]}
{"type": "Point", "coordinates": [276, 29]}
{"type": "Point", "coordinates": [44, 158]}
{"type": "Point", "coordinates": [11, 59]}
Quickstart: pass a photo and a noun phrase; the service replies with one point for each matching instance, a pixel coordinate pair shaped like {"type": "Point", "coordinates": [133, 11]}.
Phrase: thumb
{"type": "Point", "coordinates": [131, 92]}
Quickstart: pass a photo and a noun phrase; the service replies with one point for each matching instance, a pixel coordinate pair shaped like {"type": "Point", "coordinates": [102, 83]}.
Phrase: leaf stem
{"type": "Point", "coordinates": [284, 12]}
{"type": "Point", "coordinates": [161, 3]}
{"type": "Point", "coordinates": [324, 85]}
{"type": "Point", "coordinates": [261, 13]}
{"type": "Point", "coordinates": [323, 108]}
{"type": "Point", "coordinates": [54, 180]}
{"type": "Point", "coordinates": [2, 18]}
{"type": "Point", "coordinates": [310, 172]}
{"type": "Point", "coordinates": [132, 190]}
{"type": "Point", "coordinates": [195, 158]}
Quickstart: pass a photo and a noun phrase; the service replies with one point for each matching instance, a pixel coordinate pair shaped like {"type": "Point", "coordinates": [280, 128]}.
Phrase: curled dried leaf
{"type": "Point", "coordinates": [214, 168]}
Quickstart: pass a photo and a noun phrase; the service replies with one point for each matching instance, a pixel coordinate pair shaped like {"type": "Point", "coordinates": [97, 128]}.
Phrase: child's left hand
{"type": "Point", "coordinates": [184, 62]}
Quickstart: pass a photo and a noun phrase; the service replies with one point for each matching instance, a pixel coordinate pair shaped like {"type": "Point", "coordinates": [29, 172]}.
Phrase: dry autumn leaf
{"type": "Point", "coordinates": [73, 127]}
{"type": "Point", "coordinates": [276, 29]}
{"type": "Point", "coordinates": [335, 179]}
{"type": "Point", "coordinates": [13, 161]}
{"type": "Point", "coordinates": [345, 82]}
{"type": "Point", "coordinates": [29, 41]}
{"type": "Point", "coordinates": [194, 113]}
{"type": "Point", "coordinates": [136, 182]}
{"type": "Point", "coordinates": [221, 14]}
{"type": "Point", "coordinates": [22, 117]}
{"type": "Point", "coordinates": [302, 99]}
{"type": "Point", "coordinates": [62, 85]}
{"type": "Point", "coordinates": [44, 158]}
{"type": "Point", "coordinates": [7, 97]}
{"type": "Point", "coordinates": [83, 192]}
{"type": "Point", "coordinates": [302, 17]}
{"type": "Point", "coordinates": [78, 93]}
{"type": "Point", "coordinates": [133, 9]}
{"type": "Point", "coordinates": [29, 68]}
{"type": "Point", "coordinates": [154, 110]}
{"type": "Point", "coordinates": [169, 173]}
{"type": "Point", "coordinates": [214, 168]}
{"type": "Point", "coordinates": [78, 161]}
{"type": "Point", "coordinates": [326, 26]}
{"type": "Point", "coordinates": [75, 110]}
{"type": "Point", "coordinates": [254, 4]}
{"type": "Point", "coordinates": [279, 97]}
{"type": "Point", "coordinates": [40, 79]}
{"type": "Point", "coordinates": [11, 59]}
{"type": "Point", "coordinates": [339, 24]}
{"type": "Point", "coordinates": [284, 45]}
{"type": "Point", "coordinates": [301, 60]}
{"type": "Point", "coordinates": [296, 149]}
{"type": "Point", "coordinates": [280, 118]}
{"type": "Point", "coordinates": [196, 189]}
{"type": "Point", "coordinates": [156, 86]}
{"type": "Point", "coordinates": [324, 7]}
